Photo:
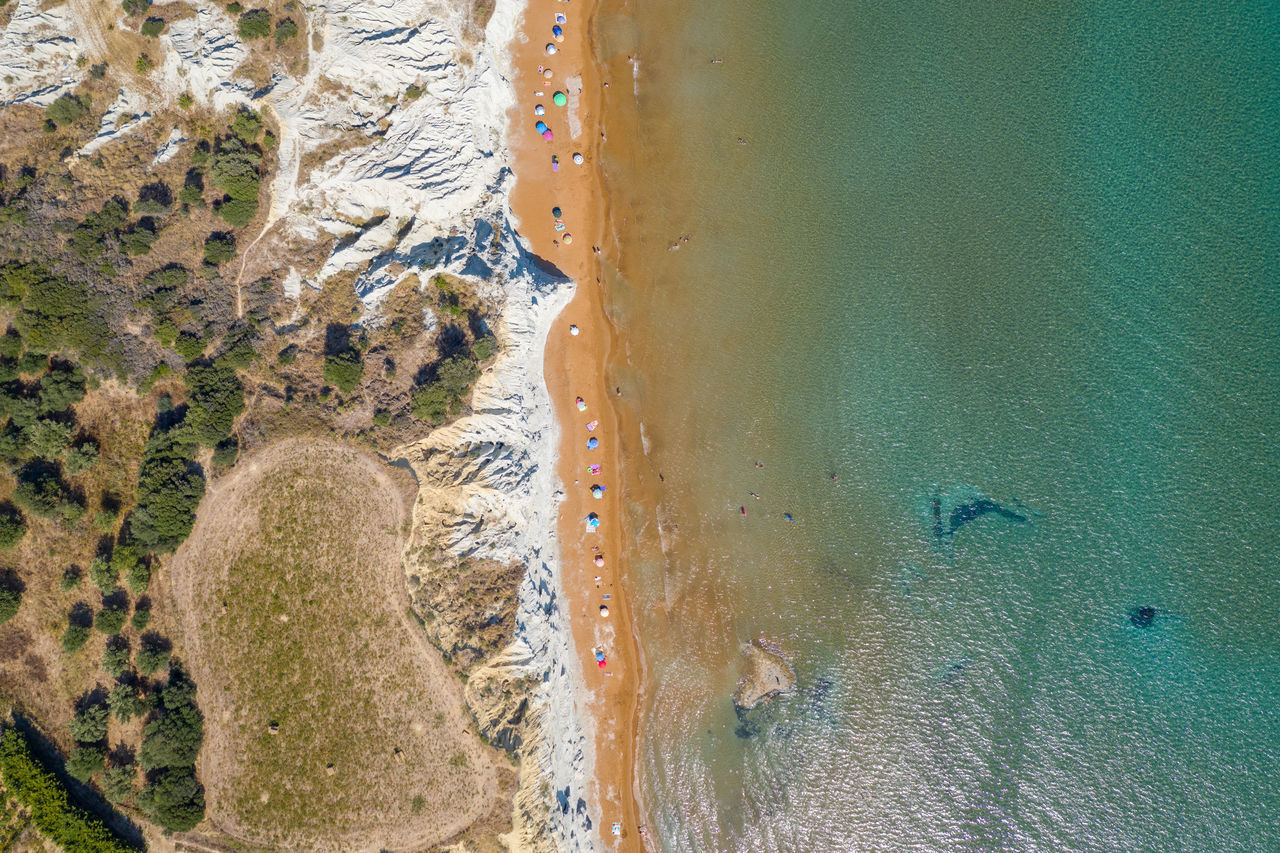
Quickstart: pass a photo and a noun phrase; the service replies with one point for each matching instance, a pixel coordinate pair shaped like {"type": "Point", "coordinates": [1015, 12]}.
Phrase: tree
{"type": "Point", "coordinates": [41, 491]}
{"type": "Point", "coordinates": [89, 725]}
{"type": "Point", "coordinates": [48, 439]}
{"type": "Point", "coordinates": [62, 387]}
{"type": "Point", "coordinates": [80, 459]}
{"type": "Point", "coordinates": [136, 7]}
{"type": "Point", "coordinates": [110, 619]}
{"type": "Point", "coordinates": [235, 171]}
{"type": "Point", "coordinates": [216, 399]}
{"type": "Point", "coordinates": [139, 578]}
{"type": "Point", "coordinates": [12, 527]}
{"type": "Point", "coordinates": [104, 574]}
{"type": "Point", "coordinates": [173, 739]}
{"type": "Point", "coordinates": [153, 26]}
{"type": "Point", "coordinates": [170, 486]}
{"type": "Point", "coordinates": [254, 24]}
{"type": "Point", "coordinates": [344, 370]}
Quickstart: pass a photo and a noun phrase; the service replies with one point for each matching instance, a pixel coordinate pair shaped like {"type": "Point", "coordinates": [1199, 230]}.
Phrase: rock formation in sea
{"type": "Point", "coordinates": [767, 675]}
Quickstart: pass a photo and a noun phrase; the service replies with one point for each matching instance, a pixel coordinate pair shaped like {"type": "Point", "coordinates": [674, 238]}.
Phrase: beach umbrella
{"type": "Point", "coordinates": [539, 110]}
{"type": "Point", "coordinates": [591, 425]}
{"type": "Point", "coordinates": [581, 404]}
{"type": "Point", "coordinates": [573, 330]}
{"type": "Point", "coordinates": [597, 492]}
{"type": "Point", "coordinates": [600, 560]}
{"type": "Point", "coordinates": [577, 158]}
{"type": "Point", "coordinates": [559, 99]}
{"type": "Point", "coordinates": [551, 48]}
{"type": "Point", "coordinates": [599, 654]}
{"type": "Point", "coordinates": [593, 521]}
{"type": "Point", "coordinates": [604, 610]}
{"type": "Point", "coordinates": [593, 443]}
{"type": "Point", "coordinates": [548, 135]}
{"type": "Point", "coordinates": [562, 18]}
{"type": "Point", "coordinates": [568, 238]}
{"type": "Point", "coordinates": [540, 126]}
{"type": "Point", "coordinates": [601, 664]}
{"type": "Point", "coordinates": [555, 211]}
{"type": "Point", "coordinates": [558, 32]}
{"type": "Point", "coordinates": [547, 74]}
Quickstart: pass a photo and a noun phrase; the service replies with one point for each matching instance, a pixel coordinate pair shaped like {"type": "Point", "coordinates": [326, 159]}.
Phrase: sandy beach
{"type": "Point", "coordinates": [575, 367]}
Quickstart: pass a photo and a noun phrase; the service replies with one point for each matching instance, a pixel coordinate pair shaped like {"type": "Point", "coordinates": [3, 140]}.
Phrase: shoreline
{"type": "Point", "coordinates": [575, 366]}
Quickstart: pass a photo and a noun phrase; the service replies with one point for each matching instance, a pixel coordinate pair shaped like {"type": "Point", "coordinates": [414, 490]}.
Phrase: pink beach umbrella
{"type": "Point", "coordinates": [548, 135]}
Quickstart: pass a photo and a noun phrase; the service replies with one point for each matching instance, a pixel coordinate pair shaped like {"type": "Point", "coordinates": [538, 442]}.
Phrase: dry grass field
{"type": "Point", "coordinates": [331, 724]}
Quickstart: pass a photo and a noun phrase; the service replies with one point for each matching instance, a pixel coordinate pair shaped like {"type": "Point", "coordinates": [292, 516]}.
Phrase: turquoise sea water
{"type": "Point", "coordinates": [1026, 252]}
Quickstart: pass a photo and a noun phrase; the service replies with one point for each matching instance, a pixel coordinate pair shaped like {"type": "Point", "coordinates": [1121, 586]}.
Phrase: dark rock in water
{"type": "Point", "coordinates": [768, 674]}
{"type": "Point", "coordinates": [1142, 617]}
{"type": "Point", "coordinates": [965, 513]}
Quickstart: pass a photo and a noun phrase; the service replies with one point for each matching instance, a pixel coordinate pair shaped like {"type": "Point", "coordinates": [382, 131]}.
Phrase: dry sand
{"type": "Point", "coordinates": [575, 367]}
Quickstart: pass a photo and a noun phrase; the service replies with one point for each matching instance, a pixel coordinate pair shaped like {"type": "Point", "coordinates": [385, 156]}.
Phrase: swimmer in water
{"type": "Point", "coordinates": [743, 509]}
{"type": "Point", "coordinates": [754, 495]}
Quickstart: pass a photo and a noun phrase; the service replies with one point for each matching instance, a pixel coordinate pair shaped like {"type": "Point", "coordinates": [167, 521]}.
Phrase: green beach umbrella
{"type": "Point", "coordinates": [559, 99]}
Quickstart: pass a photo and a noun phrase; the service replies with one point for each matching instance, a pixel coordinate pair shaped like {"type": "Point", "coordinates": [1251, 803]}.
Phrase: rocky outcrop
{"type": "Point", "coordinates": [767, 675]}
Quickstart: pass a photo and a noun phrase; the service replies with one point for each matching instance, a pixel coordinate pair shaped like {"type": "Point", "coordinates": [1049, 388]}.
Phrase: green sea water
{"type": "Point", "coordinates": [1022, 252]}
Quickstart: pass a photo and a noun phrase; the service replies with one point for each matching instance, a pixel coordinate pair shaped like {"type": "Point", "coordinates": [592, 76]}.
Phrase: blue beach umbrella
{"type": "Point", "coordinates": [593, 443]}
{"type": "Point", "coordinates": [541, 127]}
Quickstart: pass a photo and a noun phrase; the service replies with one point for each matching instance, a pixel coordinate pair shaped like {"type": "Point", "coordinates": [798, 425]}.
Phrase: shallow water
{"type": "Point", "coordinates": [1024, 257]}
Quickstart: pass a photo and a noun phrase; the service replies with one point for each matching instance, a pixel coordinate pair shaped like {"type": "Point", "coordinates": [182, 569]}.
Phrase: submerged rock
{"type": "Point", "coordinates": [1142, 617]}
{"type": "Point", "coordinates": [768, 674]}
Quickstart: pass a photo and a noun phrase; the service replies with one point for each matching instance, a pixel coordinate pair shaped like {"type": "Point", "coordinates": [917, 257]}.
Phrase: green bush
{"type": "Point", "coordinates": [104, 575]}
{"type": "Point", "coordinates": [10, 601]}
{"type": "Point", "coordinates": [48, 439]}
{"type": "Point", "coordinates": [226, 452]}
{"type": "Point", "coordinates": [74, 638]}
{"type": "Point", "coordinates": [137, 241]}
{"type": "Point", "coordinates": [285, 30]}
{"type": "Point", "coordinates": [247, 125]}
{"type": "Point", "coordinates": [11, 344]}
{"type": "Point", "coordinates": [89, 725]}
{"type": "Point", "coordinates": [126, 702]}
{"type": "Point", "coordinates": [172, 739]}
{"type": "Point", "coordinates": [192, 195]}
{"type": "Point", "coordinates": [59, 313]}
{"type": "Point", "coordinates": [153, 26]}
{"type": "Point", "coordinates": [70, 579]}
{"type": "Point", "coordinates": [66, 109]}
{"type": "Point", "coordinates": [190, 346]}
{"type": "Point", "coordinates": [234, 170]}
{"type": "Point", "coordinates": [344, 370]}
{"type": "Point", "coordinates": [12, 528]}
{"type": "Point", "coordinates": [115, 659]}
{"type": "Point", "coordinates": [254, 24]}
{"type": "Point", "coordinates": [61, 388]}
{"type": "Point", "coordinates": [47, 802]}
{"type": "Point", "coordinates": [430, 403]}
{"type": "Point", "coordinates": [42, 492]}
{"type": "Point", "coordinates": [117, 783]}
{"type": "Point", "coordinates": [139, 578]}
{"type": "Point", "coordinates": [434, 402]}
{"type": "Point", "coordinates": [484, 348]}
{"type": "Point", "coordinates": [153, 653]}
{"type": "Point", "coordinates": [175, 800]}
{"type": "Point", "coordinates": [170, 487]}
{"type": "Point", "coordinates": [219, 248]}
{"type": "Point", "coordinates": [85, 761]}
{"type": "Point", "coordinates": [80, 459]}
{"type": "Point", "coordinates": [136, 7]}
{"type": "Point", "coordinates": [215, 400]}
{"type": "Point", "coordinates": [144, 64]}
{"type": "Point", "coordinates": [185, 101]}
{"type": "Point", "coordinates": [141, 615]}
{"type": "Point", "coordinates": [110, 620]}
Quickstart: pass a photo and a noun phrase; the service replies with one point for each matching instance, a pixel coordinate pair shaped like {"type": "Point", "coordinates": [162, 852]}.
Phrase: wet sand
{"type": "Point", "coordinates": [576, 367]}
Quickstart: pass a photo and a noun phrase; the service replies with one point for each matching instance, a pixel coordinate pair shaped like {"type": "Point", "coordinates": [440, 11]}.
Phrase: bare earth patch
{"type": "Point", "coordinates": [331, 724]}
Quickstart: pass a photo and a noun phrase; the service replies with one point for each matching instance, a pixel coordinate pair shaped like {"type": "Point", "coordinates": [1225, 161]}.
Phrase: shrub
{"type": "Point", "coordinates": [10, 601]}
{"type": "Point", "coordinates": [12, 528]}
{"type": "Point", "coordinates": [47, 802]}
{"type": "Point", "coordinates": [61, 388]}
{"type": "Point", "coordinates": [85, 761]}
{"type": "Point", "coordinates": [434, 401]}
{"type": "Point", "coordinates": [144, 64]}
{"type": "Point", "coordinates": [137, 241]}
{"type": "Point", "coordinates": [66, 109]}
{"type": "Point", "coordinates": [413, 92]}
{"type": "Point", "coordinates": [188, 345]}
{"type": "Point", "coordinates": [175, 800]}
{"type": "Point", "coordinates": [285, 30]}
{"type": "Point", "coordinates": [104, 575]}
{"type": "Point", "coordinates": [226, 452]}
{"type": "Point", "coordinates": [42, 492]}
{"type": "Point", "coordinates": [484, 347]}
{"type": "Point", "coordinates": [81, 459]}
{"type": "Point", "coordinates": [153, 26]}
{"type": "Point", "coordinates": [215, 400]}
{"type": "Point", "coordinates": [254, 24]}
{"type": "Point", "coordinates": [219, 248]}
{"type": "Point", "coordinates": [185, 101]}
{"type": "Point", "coordinates": [382, 417]}
{"type": "Point", "coordinates": [74, 638]}
{"type": "Point", "coordinates": [11, 344]}
{"type": "Point", "coordinates": [153, 653]}
{"type": "Point", "coordinates": [234, 8]}
{"type": "Point", "coordinates": [139, 578]}
{"type": "Point", "coordinates": [115, 660]}
{"type": "Point", "coordinates": [430, 403]}
{"type": "Point", "coordinates": [170, 487]}
{"type": "Point", "coordinates": [141, 615]}
{"type": "Point", "coordinates": [234, 170]}
{"type": "Point", "coordinates": [117, 783]}
{"type": "Point", "coordinates": [89, 725]}
{"type": "Point", "coordinates": [136, 7]}
{"type": "Point", "coordinates": [70, 579]}
{"type": "Point", "coordinates": [126, 702]}
{"type": "Point", "coordinates": [59, 313]}
{"type": "Point", "coordinates": [110, 619]}
{"type": "Point", "coordinates": [344, 370]}
{"type": "Point", "coordinates": [247, 124]}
